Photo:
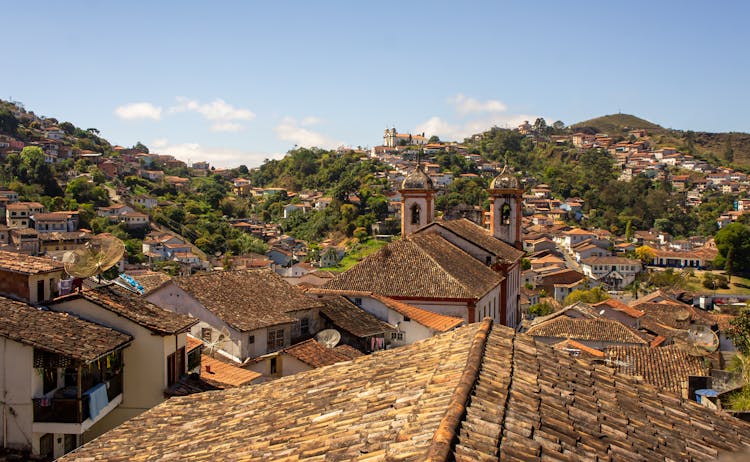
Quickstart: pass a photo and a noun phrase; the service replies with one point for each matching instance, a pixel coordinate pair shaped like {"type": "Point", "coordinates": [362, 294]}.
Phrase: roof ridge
{"type": "Point", "coordinates": [446, 433]}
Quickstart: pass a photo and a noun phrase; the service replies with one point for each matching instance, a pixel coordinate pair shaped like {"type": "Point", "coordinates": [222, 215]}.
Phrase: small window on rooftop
{"type": "Point", "coordinates": [407, 319]}
{"type": "Point", "coordinates": [358, 301]}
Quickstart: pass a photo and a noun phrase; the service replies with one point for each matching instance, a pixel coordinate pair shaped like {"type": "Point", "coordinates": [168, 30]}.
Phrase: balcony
{"type": "Point", "coordinates": [64, 407]}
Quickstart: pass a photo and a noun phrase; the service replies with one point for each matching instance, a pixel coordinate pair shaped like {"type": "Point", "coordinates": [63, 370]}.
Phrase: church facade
{"type": "Point", "coordinates": [452, 267]}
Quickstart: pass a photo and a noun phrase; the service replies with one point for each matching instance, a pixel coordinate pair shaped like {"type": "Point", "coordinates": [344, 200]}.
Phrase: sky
{"type": "Point", "coordinates": [238, 82]}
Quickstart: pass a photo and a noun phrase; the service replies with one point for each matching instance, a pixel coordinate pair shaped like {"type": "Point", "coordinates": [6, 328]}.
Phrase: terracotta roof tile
{"type": "Point", "coordinates": [247, 299]}
{"type": "Point", "coordinates": [621, 307]}
{"type": "Point", "coordinates": [437, 321]}
{"type": "Point", "coordinates": [314, 354]}
{"type": "Point", "coordinates": [351, 318]}
{"type": "Point", "coordinates": [479, 393]}
{"type": "Point", "coordinates": [25, 264]}
{"type": "Point", "coordinates": [222, 374]}
{"type": "Point", "coordinates": [192, 343]}
{"type": "Point", "coordinates": [599, 329]}
{"type": "Point", "coordinates": [665, 367]}
{"type": "Point", "coordinates": [150, 280]}
{"type": "Point", "coordinates": [421, 265]}
{"type": "Point", "coordinates": [135, 308]}
{"type": "Point", "coordinates": [472, 232]}
{"type": "Point", "coordinates": [55, 332]}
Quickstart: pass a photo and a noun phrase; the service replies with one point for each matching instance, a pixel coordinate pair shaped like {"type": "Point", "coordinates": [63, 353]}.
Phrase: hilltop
{"type": "Point", "coordinates": [617, 124]}
{"type": "Point", "coordinates": [713, 147]}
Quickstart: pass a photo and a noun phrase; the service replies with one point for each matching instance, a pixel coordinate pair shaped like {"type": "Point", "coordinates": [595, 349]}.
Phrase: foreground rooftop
{"type": "Point", "coordinates": [480, 392]}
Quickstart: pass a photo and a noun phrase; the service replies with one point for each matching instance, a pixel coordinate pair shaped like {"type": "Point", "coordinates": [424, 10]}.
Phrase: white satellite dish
{"type": "Point", "coordinates": [328, 337]}
{"type": "Point", "coordinates": [701, 341]}
{"type": "Point", "coordinates": [98, 255]}
{"type": "Point", "coordinates": [219, 342]}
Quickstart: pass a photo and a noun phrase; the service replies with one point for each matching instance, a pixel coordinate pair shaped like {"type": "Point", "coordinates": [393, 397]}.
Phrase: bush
{"type": "Point", "coordinates": [715, 281]}
{"type": "Point", "coordinates": [541, 309]}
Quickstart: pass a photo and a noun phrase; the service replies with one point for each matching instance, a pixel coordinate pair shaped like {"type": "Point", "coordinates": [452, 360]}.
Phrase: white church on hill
{"type": "Point", "coordinates": [451, 267]}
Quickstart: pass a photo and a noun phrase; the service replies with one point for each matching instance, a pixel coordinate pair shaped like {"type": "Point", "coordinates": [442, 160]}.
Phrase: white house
{"type": "Point", "coordinates": [60, 378]}
{"type": "Point", "coordinates": [156, 358]}
{"type": "Point", "coordinates": [613, 272]}
{"type": "Point", "coordinates": [243, 313]}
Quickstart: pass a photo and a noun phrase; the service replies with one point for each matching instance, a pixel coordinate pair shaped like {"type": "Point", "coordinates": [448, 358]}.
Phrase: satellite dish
{"type": "Point", "coordinates": [701, 341]}
{"type": "Point", "coordinates": [328, 337]}
{"type": "Point", "coordinates": [98, 255]}
{"type": "Point", "coordinates": [218, 344]}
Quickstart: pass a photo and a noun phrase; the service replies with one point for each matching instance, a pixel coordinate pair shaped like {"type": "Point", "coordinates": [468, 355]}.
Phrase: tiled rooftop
{"type": "Point", "coordinates": [57, 332]}
{"type": "Point", "coordinates": [25, 264]}
{"type": "Point", "coordinates": [150, 280]}
{"type": "Point", "coordinates": [314, 354]}
{"type": "Point", "coordinates": [247, 299]}
{"type": "Point", "coordinates": [470, 231]}
{"type": "Point", "coordinates": [422, 265]}
{"type": "Point", "coordinates": [437, 321]}
{"type": "Point", "coordinates": [222, 374]}
{"type": "Point", "coordinates": [135, 308]}
{"type": "Point", "coordinates": [351, 318]}
{"type": "Point", "coordinates": [599, 329]}
{"type": "Point", "coordinates": [477, 393]}
{"type": "Point", "coordinates": [664, 367]}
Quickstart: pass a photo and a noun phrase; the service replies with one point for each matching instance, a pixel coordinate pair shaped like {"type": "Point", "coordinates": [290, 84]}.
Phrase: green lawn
{"type": "Point", "coordinates": [738, 286]}
{"type": "Point", "coordinates": [356, 254]}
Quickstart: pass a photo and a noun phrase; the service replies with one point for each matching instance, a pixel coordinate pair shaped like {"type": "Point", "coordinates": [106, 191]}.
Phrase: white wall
{"type": "Point", "coordinates": [16, 408]}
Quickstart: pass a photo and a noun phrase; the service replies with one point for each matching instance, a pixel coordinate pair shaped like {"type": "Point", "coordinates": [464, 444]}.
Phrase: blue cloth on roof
{"type": "Point", "coordinates": [98, 399]}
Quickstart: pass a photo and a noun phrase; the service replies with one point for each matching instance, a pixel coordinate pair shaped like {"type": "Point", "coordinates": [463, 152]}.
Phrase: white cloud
{"type": "Point", "coordinates": [458, 131]}
{"type": "Point", "coordinates": [465, 105]}
{"type": "Point", "coordinates": [218, 157]}
{"type": "Point", "coordinates": [289, 129]}
{"type": "Point", "coordinates": [310, 120]}
{"type": "Point", "coordinates": [217, 109]}
{"type": "Point", "coordinates": [229, 127]}
{"type": "Point", "coordinates": [134, 111]}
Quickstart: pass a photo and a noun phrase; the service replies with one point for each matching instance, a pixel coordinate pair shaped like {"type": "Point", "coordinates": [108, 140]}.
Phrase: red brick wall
{"type": "Point", "coordinates": [14, 284]}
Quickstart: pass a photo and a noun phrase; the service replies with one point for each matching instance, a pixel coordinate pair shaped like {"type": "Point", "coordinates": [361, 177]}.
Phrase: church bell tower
{"type": "Point", "coordinates": [506, 197]}
{"type": "Point", "coordinates": [417, 201]}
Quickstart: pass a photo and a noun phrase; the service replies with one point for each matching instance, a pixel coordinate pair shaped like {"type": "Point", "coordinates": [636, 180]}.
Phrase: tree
{"type": "Point", "coordinates": [728, 151]}
{"type": "Point", "coordinates": [629, 231]}
{"type": "Point", "coordinates": [434, 139]}
{"type": "Point", "coordinates": [541, 309]}
{"type": "Point", "coordinates": [8, 122]}
{"type": "Point", "coordinates": [558, 125]}
{"type": "Point", "coordinates": [645, 254]}
{"type": "Point", "coordinates": [733, 243]}
{"type": "Point", "coordinates": [594, 295]}
{"type": "Point", "coordinates": [140, 147]}
{"type": "Point", "coordinates": [540, 126]}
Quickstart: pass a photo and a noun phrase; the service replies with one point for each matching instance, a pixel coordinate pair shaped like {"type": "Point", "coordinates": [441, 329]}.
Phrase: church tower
{"type": "Point", "coordinates": [506, 198]}
{"type": "Point", "coordinates": [417, 201]}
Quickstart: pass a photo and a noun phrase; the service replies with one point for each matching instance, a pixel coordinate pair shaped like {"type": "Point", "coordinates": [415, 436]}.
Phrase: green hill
{"type": "Point", "coordinates": [712, 147]}
{"type": "Point", "coordinates": [618, 124]}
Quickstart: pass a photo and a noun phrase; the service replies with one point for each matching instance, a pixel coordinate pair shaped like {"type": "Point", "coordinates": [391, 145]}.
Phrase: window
{"type": "Point", "coordinates": [251, 339]}
{"type": "Point", "coordinates": [397, 335]}
{"type": "Point", "coordinates": [206, 334]}
{"type": "Point", "coordinates": [415, 214]}
{"type": "Point", "coordinates": [407, 319]}
{"type": "Point", "coordinates": [39, 291]}
{"type": "Point", "coordinates": [272, 366]}
{"type": "Point", "coordinates": [488, 260]}
{"type": "Point", "coordinates": [505, 214]}
{"type": "Point", "coordinates": [275, 339]}
{"type": "Point", "coordinates": [304, 326]}
{"type": "Point", "coordinates": [358, 301]}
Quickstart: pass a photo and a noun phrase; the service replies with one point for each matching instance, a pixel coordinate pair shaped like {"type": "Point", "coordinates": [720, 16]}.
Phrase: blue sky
{"type": "Point", "coordinates": [238, 82]}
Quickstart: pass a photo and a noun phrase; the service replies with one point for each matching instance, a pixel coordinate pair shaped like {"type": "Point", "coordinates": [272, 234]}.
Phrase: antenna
{"type": "Point", "coordinates": [97, 256]}
{"type": "Point", "coordinates": [328, 337]}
